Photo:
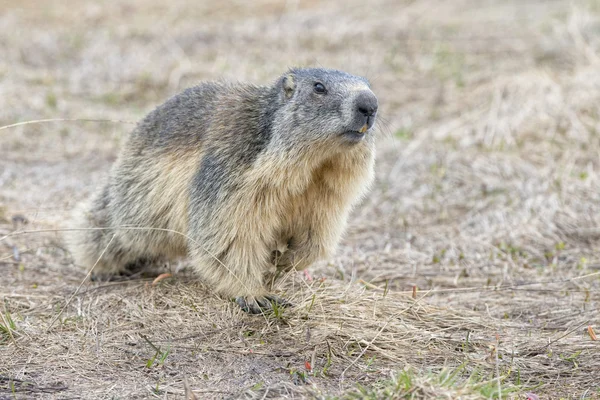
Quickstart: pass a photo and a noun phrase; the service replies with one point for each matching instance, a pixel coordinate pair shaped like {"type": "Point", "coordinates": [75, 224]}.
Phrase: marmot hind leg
{"type": "Point", "coordinates": [93, 242]}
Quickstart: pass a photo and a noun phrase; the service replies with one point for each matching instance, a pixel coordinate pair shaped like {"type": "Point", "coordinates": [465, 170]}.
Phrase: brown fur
{"type": "Point", "coordinates": [247, 181]}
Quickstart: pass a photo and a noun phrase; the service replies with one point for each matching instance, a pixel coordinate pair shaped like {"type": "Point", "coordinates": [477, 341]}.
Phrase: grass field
{"type": "Point", "coordinates": [471, 271]}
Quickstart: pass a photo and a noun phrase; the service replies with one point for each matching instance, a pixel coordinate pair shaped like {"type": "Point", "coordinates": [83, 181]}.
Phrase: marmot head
{"type": "Point", "coordinates": [326, 106]}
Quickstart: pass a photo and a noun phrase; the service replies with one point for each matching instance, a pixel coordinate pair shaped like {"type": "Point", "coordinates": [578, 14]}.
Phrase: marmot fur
{"type": "Point", "coordinates": [247, 180]}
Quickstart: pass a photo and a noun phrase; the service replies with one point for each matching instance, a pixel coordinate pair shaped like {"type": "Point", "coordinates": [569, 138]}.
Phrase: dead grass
{"type": "Point", "coordinates": [487, 199]}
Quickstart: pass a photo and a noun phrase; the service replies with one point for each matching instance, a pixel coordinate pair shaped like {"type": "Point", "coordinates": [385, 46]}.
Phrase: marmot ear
{"type": "Point", "coordinates": [289, 85]}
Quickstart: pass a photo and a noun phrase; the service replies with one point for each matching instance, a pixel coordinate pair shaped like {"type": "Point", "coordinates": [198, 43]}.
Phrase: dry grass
{"type": "Point", "coordinates": [487, 200]}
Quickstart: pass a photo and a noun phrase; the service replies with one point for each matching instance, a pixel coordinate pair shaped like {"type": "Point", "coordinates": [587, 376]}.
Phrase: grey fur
{"type": "Point", "coordinates": [242, 171]}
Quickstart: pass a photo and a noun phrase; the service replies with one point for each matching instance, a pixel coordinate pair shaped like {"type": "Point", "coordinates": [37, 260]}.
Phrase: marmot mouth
{"type": "Point", "coordinates": [353, 136]}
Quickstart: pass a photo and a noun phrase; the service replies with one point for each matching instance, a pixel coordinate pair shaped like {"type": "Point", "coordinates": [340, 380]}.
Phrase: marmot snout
{"type": "Point", "coordinates": [249, 181]}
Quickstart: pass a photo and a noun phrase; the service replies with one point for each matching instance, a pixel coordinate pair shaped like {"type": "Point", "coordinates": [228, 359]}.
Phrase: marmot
{"type": "Point", "coordinates": [247, 180]}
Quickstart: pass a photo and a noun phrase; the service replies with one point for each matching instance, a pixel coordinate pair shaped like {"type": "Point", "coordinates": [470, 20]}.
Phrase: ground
{"type": "Point", "coordinates": [472, 269]}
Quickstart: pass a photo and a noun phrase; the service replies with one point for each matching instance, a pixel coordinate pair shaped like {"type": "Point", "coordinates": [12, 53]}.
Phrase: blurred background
{"type": "Point", "coordinates": [473, 73]}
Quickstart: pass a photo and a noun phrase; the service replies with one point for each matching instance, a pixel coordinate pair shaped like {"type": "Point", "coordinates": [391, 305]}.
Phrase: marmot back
{"type": "Point", "coordinates": [247, 180]}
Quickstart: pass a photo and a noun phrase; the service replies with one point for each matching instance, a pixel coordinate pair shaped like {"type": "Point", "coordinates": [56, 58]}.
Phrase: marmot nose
{"type": "Point", "coordinates": [366, 103]}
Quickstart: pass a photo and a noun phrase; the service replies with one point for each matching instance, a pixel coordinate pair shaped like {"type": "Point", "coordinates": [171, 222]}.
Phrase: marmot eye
{"type": "Point", "coordinates": [320, 88]}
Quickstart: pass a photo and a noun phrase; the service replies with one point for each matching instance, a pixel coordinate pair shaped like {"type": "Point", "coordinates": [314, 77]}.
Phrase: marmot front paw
{"type": "Point", "coordinates": [261, 304]}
